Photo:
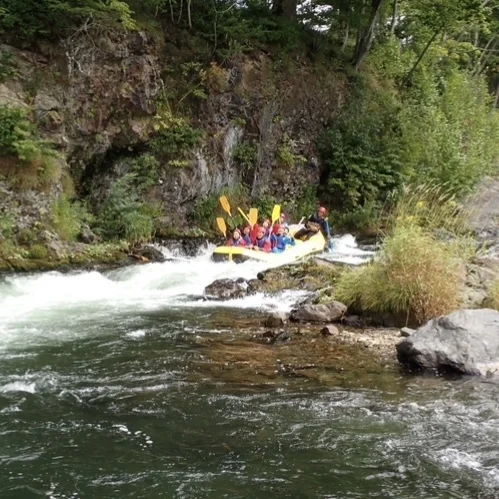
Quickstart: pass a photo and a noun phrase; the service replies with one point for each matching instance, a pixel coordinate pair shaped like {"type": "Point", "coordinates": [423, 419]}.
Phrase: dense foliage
{"type": "Point", "coordinates": [423, 90]}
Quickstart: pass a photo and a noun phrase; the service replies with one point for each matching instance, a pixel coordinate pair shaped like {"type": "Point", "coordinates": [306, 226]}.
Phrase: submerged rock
{"type": "Point", "coordinates": [276, 319]}
{"type": "Point", "coordinates": [226, 289]}
{"type": "Point", "coordinates": [466, 341]}
{"type": "Point", "coordinates": [330, 312]}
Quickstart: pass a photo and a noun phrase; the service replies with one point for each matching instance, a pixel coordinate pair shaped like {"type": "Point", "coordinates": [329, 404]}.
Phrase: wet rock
{"type": "Point", "coordinates": [330, 331]}
{"type": "Point", "coordinates": [87, 236]}
{"type": "Point", "coordinates": [330, 312]}
{"type": "Point", "coordinates": [276, 319]}
{"type": "Point", "coordinates": [405, 332]}
{"type": "Point", "coordinates": [466, 341]}
{"type": "Point", "coordinates": [150, 253]}
{"type": "Point", "coordinates": [225, 289]}
{"type": "Point", "coordinates": [281, 337]}
{"type": "Point", "coordinates": [255, 286]}
{"type": "Point", "coordinates": [352, 321]}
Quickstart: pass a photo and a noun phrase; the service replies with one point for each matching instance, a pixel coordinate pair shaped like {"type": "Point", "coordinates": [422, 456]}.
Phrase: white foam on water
{"type": "Point", "coordinates": [18, 386]}
{"type": "Point", "coordinates": [31, 305]}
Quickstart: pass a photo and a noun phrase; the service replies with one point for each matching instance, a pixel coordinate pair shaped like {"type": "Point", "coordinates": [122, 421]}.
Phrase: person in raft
{"type": "Point", "coordinates": [247, 235]}
{"type": "Point", "coordinates": [280, 223]}
{"type": "Point", "coordinates": [282, 240]}
{"type": "Point", "coordinates": [315, 223]}
{"type": "Point", "coordinates": [261, 242]}
{"type": "Point", "coordinates": [236, 239]}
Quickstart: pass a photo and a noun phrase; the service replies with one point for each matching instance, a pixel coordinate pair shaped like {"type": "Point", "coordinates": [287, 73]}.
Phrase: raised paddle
{"type": "Point", "coordinates": [221, 226]}
{"type": "Point", "coordinates": [253, 216]}
{"type": "Point", "coordinates": [244, 215]}
{"type": "Point", "coordinates": [276, 213]}
{"type": "Point", "coordinates": [226, 206]}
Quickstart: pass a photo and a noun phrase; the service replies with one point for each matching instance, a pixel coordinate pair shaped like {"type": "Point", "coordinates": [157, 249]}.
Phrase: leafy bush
{"type": "Point", "coordinates": [34, 19]}
{"type": "Point", "coordinates": [449, 134]}
{"type": "Point", "coordinates": [175, 138]}
{"type": "Point", "coordinates": [245, 154]}
{"type": "Point", "coordinates": [360, 151]}
{"type": "Point", "coordinates": [414, 275]}
{"type": "Point", "coordinates": [18, 136]}
{"type": "Point", "coordinates": [67, 218]}
{"type": "Point", "coordinates": [125, 215]}
{"type": "Point", "coordinates": [7, 66]}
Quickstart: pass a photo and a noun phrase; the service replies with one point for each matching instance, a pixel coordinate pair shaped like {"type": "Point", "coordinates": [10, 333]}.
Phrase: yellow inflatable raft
{"type": "Point", "coordinates": [315, 244]}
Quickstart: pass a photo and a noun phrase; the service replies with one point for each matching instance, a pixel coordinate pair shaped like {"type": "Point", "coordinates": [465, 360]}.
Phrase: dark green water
{"type": "Point", "coordinates": [97, 400]}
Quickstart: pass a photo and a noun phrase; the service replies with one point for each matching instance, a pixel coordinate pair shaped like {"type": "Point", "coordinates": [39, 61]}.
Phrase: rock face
{"type": "Point", "coordinates": [330, 312]}
{"type": "Point", "coordinates": [151, 253]}
{"type": "Point", "coordinates": [225, 289]}
{"type": "Point", "coordinates": [466, 341]}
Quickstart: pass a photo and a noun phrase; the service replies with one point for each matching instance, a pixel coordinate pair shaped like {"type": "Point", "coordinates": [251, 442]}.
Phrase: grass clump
{"type": "Point", "coordinates": [420, 266]}
{"type": "Point", "coordinates": [492, 300]}
{"type": "Point", "coordinates": [415, 275]}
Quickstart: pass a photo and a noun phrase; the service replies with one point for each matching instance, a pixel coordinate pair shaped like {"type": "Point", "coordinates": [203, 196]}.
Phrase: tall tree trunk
{"type": "Point", "coordinates": [367, 35]}
{"type": "Point", "coordinates": [395, 15]}
{"type": "Point", "coordinates": [285, 8]}
{"type": "Point", "coordinates": [416, 64]}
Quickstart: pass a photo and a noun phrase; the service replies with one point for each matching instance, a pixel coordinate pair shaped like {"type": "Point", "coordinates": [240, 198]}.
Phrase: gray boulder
{"type": "Point", "coordinates": [329, 312]}
{"type": "Point", "coordinates": [466, 341]}
{"type": "Point", "coordinates": [276, 319]}
{"type": "Point", "coordinates": [226, 289]}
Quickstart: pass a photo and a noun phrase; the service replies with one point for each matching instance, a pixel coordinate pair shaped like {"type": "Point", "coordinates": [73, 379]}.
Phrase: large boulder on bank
{"type": "Point", "coordinates": [329, 312]}
{"type": "Point", "coordinates": [226, 289]}
{"type": "Point", "coordinates": [466, 341]}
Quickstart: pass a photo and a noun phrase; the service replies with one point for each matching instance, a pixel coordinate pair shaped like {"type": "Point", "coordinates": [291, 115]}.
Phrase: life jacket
{"type": "Point", "coordinates": [262, 243]}
{"type": "Point", "coordinates": [247, 239]}
{"type": "Point", "coordinates": [237, 243]}
{"type": "Point", "coordinates": [279, 243]}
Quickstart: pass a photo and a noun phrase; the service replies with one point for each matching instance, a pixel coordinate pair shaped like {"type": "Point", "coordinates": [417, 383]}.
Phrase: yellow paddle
{"type": "Point", "coordinates": [276, 213]}
{"type": "Point", "coordinates": [244, 215]}
{"type": "Point", "coordinates": [225, 204]}
{"type": "Point", "coordinates": [221, 226]}
{"type": "Point", "coordinates": [253, 216]}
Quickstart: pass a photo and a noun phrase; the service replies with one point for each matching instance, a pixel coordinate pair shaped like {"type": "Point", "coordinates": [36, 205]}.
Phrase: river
{"type": "Point", "coordinates": [98, 400]}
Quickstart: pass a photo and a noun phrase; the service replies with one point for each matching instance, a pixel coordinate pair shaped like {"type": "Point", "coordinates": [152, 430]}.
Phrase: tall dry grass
{"type": "Point", "coordinates": [420, 267]}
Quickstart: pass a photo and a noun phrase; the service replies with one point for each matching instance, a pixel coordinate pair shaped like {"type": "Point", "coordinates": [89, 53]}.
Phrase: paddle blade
{"type": "Point", "coordinates": [244, 215]}
{"type": "Point", "coordinates": [225, 204]}
{"type": "Point", "coordinates": [276, 213]}
{"type": "Point", "coordinates": [221, 226]}
{"type": "Point", "coordinates": [253, 216]}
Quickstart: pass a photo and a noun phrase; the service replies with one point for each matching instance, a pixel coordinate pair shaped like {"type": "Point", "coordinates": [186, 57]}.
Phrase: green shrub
{"type": "Point", "coordinates": [414, 274]}
{"type": "Point", "coordinates": [360, 150]}
{"type": "Point", "coordinates": [285, 155]}
{"type": "Point", "coordinates": [7, 66]}
{"type": "Point", "coordinates": [245, 154]}
{"type": "Point", "coordinates": [19, 137]}
{"type": "Point", "coordinates": [68, 217]}
{"type": "Point", "coordinates": [125, 215]}
{"type": "Point", "coordinates": [34, 19]}
{"type": "Point", "coordinates": [175, 138]}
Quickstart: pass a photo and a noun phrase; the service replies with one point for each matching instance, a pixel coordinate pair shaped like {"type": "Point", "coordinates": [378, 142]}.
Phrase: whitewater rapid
{"type": "Point", "coordinates": [30, 305]}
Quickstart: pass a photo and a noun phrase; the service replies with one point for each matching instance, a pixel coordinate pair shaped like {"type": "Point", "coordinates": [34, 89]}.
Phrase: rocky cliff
{"type": "Point", "coordinates": [103, 100]}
